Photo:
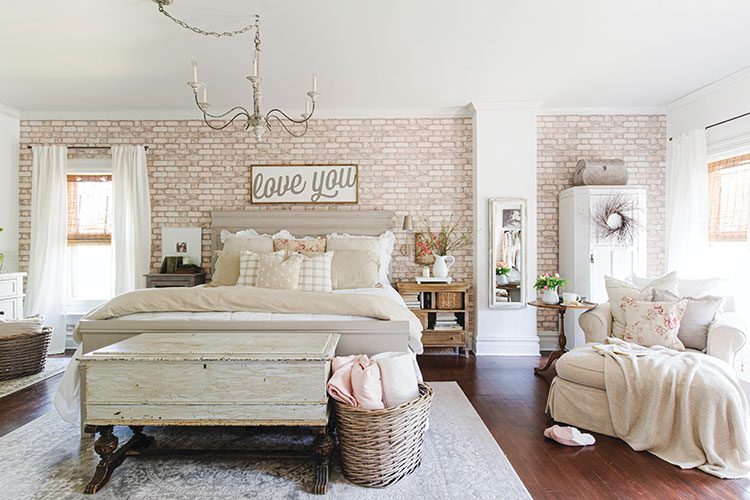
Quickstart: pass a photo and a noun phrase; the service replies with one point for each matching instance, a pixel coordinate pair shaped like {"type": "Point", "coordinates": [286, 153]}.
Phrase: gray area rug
{"type": "Point", "coordinates": [52, 367]}
{"type": "Point", "coordinates": [46, 459]}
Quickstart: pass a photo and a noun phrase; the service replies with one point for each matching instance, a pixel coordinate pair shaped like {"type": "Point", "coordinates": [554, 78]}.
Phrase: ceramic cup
{"type": "Point", "coordinates": [569, 298]}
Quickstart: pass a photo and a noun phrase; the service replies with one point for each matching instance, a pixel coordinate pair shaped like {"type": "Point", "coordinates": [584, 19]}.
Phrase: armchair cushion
{"type": "Point", "coordinates": [583, 365]}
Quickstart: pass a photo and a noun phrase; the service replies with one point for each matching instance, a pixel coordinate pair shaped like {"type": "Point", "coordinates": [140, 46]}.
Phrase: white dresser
{"type": "Point", "coordinates": [11, 295]}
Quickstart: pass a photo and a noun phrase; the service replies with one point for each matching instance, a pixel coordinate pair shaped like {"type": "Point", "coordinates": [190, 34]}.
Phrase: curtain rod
{"type": "Point", "coordinates": [90, 147]}
{"type": "Point", "coordinates": [743, 115]}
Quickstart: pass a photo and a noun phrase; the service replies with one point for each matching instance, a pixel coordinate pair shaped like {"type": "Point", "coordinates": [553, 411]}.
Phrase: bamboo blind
{"type": "Point", "coordinates": [729, 199]}
{"type": "Point", "coordinates": [89, 209]}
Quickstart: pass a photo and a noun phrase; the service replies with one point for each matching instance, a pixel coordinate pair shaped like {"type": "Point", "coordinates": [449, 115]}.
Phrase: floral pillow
{"type": "Point", "coordinates": [304, 246]}
{"type": "Point", "coordinates": [653, 323]}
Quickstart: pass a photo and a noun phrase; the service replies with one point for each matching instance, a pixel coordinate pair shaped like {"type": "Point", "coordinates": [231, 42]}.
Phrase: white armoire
{"type": "Point", "coordinates": [586, 255]}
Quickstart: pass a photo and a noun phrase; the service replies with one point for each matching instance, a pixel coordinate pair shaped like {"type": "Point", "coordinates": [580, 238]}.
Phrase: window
{"type": "Point", "coordinates": [729, 199]}
{"type": "Point", "coordinates": [89, 238]}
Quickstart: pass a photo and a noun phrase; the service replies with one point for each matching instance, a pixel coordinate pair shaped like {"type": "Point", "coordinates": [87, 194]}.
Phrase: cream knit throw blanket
{"type": "Point", "coordinates": [686, 408]}
{"type": "Point", "coordinates": [245, 298]}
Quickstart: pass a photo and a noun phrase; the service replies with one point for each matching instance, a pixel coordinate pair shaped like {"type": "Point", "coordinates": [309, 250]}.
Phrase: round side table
{"type": "Point", "coordinates": [561, 337]}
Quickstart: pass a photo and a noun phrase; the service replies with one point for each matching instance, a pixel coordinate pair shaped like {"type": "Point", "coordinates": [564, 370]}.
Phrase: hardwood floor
{"type": "Point", "coordinates": [511, 402]}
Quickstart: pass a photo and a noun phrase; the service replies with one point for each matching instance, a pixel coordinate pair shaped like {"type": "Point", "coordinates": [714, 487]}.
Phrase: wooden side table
{"type": "Point", "coordinates": [561, 337]}
{"type": "Point", "coordinates": [437, 298]}
{"type": "Point", "coordinates": [162, 280]}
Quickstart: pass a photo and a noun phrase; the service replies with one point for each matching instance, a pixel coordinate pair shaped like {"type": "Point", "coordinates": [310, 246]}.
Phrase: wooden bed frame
{"type": "Point", "coordinates": [357, 337]}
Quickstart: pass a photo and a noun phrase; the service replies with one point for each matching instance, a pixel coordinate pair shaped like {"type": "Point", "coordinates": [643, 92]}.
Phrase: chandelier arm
{"type": "Point", "coordinates": [226, 124]}
{"type": "Point", "coordinates": [277, 110]}
{"type": "Point", "coordinates": [283, 125]}
{"type": "Point", "coordinates": [218, 117]}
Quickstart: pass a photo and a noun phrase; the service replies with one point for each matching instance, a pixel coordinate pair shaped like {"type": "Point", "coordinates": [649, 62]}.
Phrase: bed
{"type": "Point", "coordinates": [358, 335]}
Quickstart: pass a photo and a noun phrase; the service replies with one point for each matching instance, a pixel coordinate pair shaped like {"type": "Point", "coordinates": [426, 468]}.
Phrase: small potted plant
{"type": "Point", "coordinates": [547, 286]}
{"type": "Point", "coordinates": [501, 273]}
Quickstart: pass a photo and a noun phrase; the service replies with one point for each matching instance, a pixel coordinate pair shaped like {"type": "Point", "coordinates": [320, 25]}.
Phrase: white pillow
{"type": "Point", "coordinates": [245, 233]}
{"type": "Point", "coordinates": [381, 245]}
{"type": "Point", "coordinates": [699, 314]}
{"type": "Point", "coordinates": [315, 273]}
{"type": "Point", "coordinates": [249, 263]}
{"type": "Point", "coordinates": [618, 289]}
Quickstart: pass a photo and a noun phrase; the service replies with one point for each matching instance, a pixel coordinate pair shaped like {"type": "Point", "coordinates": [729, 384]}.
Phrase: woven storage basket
{"type": "Point", "coordinates": [381, 447]}
{"type": "Point", "coordinates": [23, 354]}
{"type": "Point", "coordinates": [449, 300]}
{"type": "Point", "coordinates": [423, 317]}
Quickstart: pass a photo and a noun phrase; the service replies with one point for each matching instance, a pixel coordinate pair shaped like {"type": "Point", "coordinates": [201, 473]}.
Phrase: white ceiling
{"type": "Point", "coordinates": [371, 56]}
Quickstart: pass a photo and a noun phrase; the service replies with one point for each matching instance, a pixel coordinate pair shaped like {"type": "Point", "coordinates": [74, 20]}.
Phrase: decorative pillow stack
{"type": "Point", "coordinates": [652, 323]}
{"type": "Point", "coordinates": [298, 272]}
{"type": "Point", "coordinates": [249, 263]}
{"type": "Point", "coordinates": [227, 266]}
{"type": "Point", "coordinates": [618, 289]}
{"type": "Point", "coordinates": [282, 275]}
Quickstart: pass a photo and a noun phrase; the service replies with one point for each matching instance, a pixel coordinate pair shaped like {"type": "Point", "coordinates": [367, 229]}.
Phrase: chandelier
{"type": "Point", "coordinates": [256, 120]}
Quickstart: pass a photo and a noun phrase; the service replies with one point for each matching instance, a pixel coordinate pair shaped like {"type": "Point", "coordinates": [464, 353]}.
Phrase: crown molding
{"type": "Point", "coordinates": [9, 112]}
{"type": "Point", "coordinates": [604, 110]}
{"type": "Point", "coordinates": [709, 89]}
{"type": "Point", "coordinates": [192, 114]}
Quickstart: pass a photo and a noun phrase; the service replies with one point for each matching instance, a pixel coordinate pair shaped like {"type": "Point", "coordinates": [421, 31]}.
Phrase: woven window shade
{"type": "Point", "coordinates": [89, 209]}
{"type": "Point", "coordinates": [729, 199]}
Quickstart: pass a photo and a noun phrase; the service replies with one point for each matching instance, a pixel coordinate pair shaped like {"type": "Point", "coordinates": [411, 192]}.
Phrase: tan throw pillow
{"type": "Point", "coordinates": [227, 265]}
{"type": "Point", "coordinates": [699, 315]}
{"type": "Point", "coordinates": [249, 262]}
{"type": "Point", "coordinates": [382, 246]}
{"type": "Point", "coordinates": [618, 289]}
{"type": "Point", "coordinates": [308, 245]}
{"type": "Point", "coordinates": [355, 269]}
{"type": "Point", "coordinates": [279, 275]}
{"type": "Point", "coordinates": [315, 273]}
{"type": "Point", "coordinates": [653, 323]}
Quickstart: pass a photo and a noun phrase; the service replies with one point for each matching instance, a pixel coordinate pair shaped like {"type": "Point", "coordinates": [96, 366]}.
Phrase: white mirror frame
{"type": "Point", "coordinates": [493, 204]}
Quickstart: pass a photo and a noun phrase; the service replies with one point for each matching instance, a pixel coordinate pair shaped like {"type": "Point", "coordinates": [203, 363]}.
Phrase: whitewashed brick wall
{"type": "Point", "coordinates": [639, 140]}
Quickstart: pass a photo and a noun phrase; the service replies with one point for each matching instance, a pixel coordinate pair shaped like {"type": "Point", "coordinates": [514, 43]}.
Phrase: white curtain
{"type": "Point", "coordinates": [47, 285]}
{"type": "Point", "coordinates": [687, 203]}
{"type": "Point", "coordinates": [131, 228]}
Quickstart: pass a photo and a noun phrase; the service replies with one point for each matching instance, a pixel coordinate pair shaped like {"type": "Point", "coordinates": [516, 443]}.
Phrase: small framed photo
{"type": "Point", "coordinates": [512, 218]}
{"type": "Point", "coordinates": [182, 242]}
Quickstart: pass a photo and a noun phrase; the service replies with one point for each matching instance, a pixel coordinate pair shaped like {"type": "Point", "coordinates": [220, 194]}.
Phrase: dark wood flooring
{"type": "Point", "coordinates": [511, 401]}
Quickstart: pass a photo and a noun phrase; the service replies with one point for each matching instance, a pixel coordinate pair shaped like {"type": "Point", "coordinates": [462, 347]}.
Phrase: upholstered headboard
{"type": "Point", "coordinates": [301, 223]}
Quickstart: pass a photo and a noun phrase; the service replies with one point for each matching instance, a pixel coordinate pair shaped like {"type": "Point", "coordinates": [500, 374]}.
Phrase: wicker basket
{"type": "Point", "coordinates": [23, 354]}
{"type": "Point", "coordinates": [449, 300]}
{"type": "Point", "coordinates": [423, 317]}
{"type": "Point", "coordinates": [381, 447]}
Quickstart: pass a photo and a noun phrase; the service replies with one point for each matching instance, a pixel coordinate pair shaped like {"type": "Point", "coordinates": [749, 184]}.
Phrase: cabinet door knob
{"type": "Point", "coordinates": [591, 259]}
{"type": "Point", "coordinates": [2, 312]}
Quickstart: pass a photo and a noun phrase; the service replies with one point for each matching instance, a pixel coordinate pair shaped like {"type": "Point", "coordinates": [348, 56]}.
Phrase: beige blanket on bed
{"type": "Point", "coordinates": [686, 408]}
{"type": "Point", "coordinates": [235, 299]}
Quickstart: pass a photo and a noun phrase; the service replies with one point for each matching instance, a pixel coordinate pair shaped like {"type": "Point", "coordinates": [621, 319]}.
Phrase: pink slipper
{"type": "Point", "coordinates": [569, 436]}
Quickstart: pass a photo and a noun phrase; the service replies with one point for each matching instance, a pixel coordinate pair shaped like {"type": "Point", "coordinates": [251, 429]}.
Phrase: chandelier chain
{"type": "Point", "coordinates": [199, 31]}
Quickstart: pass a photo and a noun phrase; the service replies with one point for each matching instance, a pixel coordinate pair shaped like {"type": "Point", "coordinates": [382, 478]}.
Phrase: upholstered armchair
{"type": "Point", "coordinates": [726, 335]}
{"type": "Point", "coordinates": [578, 394]}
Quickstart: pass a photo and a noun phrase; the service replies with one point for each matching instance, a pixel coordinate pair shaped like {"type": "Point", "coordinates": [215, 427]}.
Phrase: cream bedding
{"type": "Point", "coordinates": [239, 302]}
{"type": "Point", "coordinates": [685, 408]}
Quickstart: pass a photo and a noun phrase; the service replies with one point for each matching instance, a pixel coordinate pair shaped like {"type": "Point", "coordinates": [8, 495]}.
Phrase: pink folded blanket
{"type": "Point", "coordinates": [340, 383]}
{"type": "Point", "coordinates": [366, 384]}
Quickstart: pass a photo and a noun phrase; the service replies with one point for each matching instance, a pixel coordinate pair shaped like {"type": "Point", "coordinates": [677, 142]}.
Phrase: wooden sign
{"type": "Point", "coordinates": [304, 184]}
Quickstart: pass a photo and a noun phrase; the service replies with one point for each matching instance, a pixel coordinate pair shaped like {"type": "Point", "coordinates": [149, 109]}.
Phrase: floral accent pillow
{"type": "Point", "coordinates": [305, 246]}
{"type": "Point", "coordinates": [653, 323]}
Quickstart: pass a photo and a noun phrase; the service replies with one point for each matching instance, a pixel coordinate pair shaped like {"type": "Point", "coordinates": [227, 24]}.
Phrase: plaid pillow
{"type": "Point", "coordinates": [315, 274]}
{"type": "Point", "coordinates": [249, 266]}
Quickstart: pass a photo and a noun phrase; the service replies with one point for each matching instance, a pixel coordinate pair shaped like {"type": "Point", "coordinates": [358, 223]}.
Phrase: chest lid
{"type": "Point", "coordinates": [218, 346]}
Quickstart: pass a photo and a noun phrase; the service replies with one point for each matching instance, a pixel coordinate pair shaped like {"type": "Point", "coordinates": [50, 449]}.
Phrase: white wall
{"type": "Point", "coordinates": [9, 138]}
{"type": "Point", "coordinates": [724, 99]}
{"type": "Point", "coordinates": [504, 166]}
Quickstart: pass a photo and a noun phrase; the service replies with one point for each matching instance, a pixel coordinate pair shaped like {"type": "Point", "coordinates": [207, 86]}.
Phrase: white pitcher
{"type": "Point", "coordinates": [441, 265]}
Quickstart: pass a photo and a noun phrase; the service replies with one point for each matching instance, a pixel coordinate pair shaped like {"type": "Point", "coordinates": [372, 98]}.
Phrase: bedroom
{"type": "Point", "coordinates": [474, 119]}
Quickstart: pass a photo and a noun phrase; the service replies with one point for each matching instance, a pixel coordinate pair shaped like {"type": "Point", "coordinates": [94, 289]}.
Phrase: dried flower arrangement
{"type": "Point", "coordinates": [445, 240]}
{"type": "Point", "coordinates": [615, 220]}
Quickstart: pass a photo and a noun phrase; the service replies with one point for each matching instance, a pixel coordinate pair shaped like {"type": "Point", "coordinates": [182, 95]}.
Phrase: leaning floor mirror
{"type": "Point", "coordinates": [507, 253]}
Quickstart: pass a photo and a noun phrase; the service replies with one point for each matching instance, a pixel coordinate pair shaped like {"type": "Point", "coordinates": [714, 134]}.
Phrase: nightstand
{"type": "Point", "coordinates": [442, 309]}
{"type": "Point", "coordinates": [162, 280]}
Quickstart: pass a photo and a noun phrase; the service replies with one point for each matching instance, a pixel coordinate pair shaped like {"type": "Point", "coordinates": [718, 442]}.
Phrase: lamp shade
{"type": "Point", "coordinates": [408, 223]}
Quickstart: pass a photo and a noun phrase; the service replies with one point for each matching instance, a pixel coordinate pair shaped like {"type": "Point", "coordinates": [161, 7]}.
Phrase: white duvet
{"type": "Point", "coordinates": [67, 396]}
